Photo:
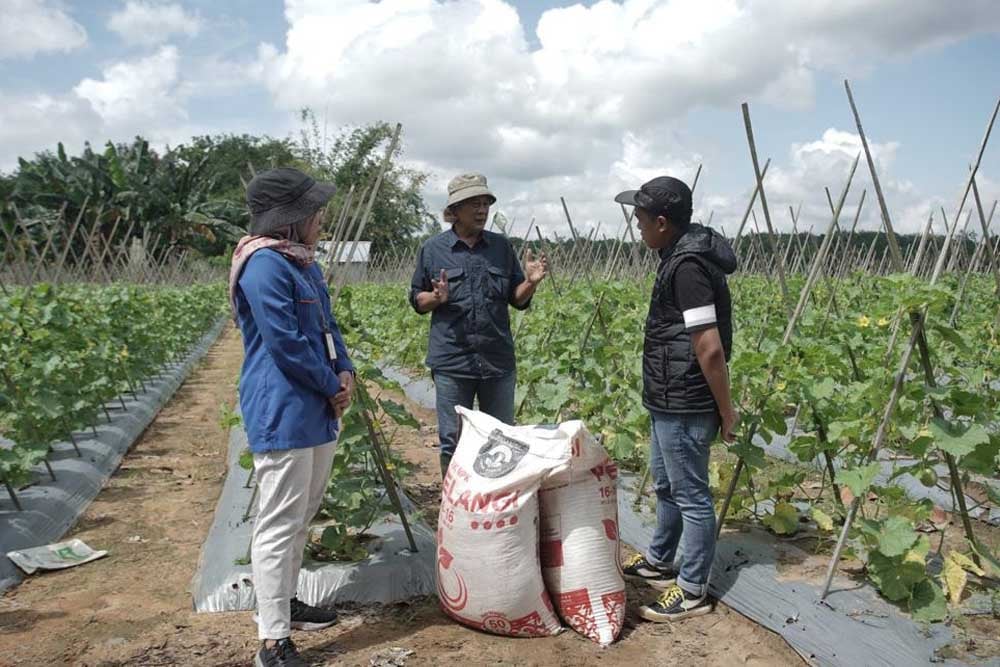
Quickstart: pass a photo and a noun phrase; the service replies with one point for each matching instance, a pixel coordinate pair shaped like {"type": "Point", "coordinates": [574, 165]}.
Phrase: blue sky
{"type": "Point", "coordinates": [546, 98]}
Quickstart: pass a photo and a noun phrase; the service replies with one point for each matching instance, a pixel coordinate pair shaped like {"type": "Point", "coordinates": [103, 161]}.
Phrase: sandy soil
{"type": "Point", "coordinates": [133, 607]}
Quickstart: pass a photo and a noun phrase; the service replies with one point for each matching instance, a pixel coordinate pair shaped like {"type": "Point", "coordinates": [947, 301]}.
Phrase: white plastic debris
{"type": "Point", "coordinates": [58, 556]}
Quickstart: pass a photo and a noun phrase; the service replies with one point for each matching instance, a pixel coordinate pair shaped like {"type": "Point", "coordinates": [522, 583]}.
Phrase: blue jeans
{"type": "Point", "coordinates": [685, 516]}
{"type": "Point", "coordinates": [496, 398]}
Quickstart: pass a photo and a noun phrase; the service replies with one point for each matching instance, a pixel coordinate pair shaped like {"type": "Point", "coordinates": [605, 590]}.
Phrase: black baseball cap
{"type": "Point", "coordinates": [284, 196]}
{"type": "Point", "coordinates": [664, 195]}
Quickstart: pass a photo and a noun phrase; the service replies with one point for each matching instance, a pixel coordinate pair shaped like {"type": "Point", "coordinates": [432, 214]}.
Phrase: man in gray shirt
{"type": "Point", "coordinates": [467, 277]}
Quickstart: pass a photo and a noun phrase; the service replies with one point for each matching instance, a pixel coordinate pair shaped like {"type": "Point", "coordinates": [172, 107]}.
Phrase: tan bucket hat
{"type": "Point", "coordinates": [467, 186]}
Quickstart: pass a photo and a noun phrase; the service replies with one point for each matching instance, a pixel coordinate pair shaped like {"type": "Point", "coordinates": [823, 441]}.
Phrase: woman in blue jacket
{"type": "Point", "coordinates": [296, 382]}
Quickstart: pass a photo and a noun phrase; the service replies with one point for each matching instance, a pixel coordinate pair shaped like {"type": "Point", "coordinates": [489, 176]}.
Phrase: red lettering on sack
{"type": "Point", "coordinates": [507, 501]}
{"type": "Point", "coordinates": [481, 502]}
{"type": "Point", "coordinates": [448, 487]}
{"type": "Point", "coordinates": [609, 468]}
{"type": "Point", "coordinates": [459, 471]}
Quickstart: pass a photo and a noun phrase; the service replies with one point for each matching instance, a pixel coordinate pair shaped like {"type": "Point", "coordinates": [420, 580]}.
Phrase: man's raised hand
{"type": "Point", "coordinates": [535, 270]}
{"type": "Point", "coordinates": [440, 290]}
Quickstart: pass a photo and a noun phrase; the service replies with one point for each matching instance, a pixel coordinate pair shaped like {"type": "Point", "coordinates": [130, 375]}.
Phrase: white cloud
{"type": "Point", "coordinates": [31, 123]}
{"type": "Point", "coordinates": [37, 122]}
{"type": "Point", "coordinates": [142, 96]}
{"type": "Point", "coordinates": [812, 166]}
{"type": "Point", "coordinates": [145, 22]}
{"type": "Point", "coordinates": [37, 26]}
{"type": "Point", "coordinates": [140, 90]}
{"type": "Point", "coordinates": [139, 97]}
{"type": "Point", "coordinates": [596, 106]}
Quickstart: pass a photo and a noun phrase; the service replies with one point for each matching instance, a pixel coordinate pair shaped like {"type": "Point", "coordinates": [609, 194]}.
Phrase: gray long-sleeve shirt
{"type": "Point", "coordinates": [470, 334]}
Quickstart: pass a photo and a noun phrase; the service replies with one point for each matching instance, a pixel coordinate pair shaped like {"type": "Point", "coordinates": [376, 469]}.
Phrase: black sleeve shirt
{"type": "Point", "coordinates": [694, 296]}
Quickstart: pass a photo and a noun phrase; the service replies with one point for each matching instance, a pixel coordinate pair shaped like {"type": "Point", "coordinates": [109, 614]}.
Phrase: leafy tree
{"type": "Point", "coordinates": [353, 158]}
{"type": "Point", "coordinates": [231, 158]}
{"type": "Point", "coordinates": [194, 194]}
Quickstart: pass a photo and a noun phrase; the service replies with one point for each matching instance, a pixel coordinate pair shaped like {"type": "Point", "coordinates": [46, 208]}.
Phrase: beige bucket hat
{"type": "Point", "coordinates": [467, 186]}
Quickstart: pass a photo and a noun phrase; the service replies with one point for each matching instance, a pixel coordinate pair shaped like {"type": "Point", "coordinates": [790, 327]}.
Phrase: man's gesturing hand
{"type": "Point", "coordinates": [535, 270]}
{"type": "Point", "coordinates": [440, 290]}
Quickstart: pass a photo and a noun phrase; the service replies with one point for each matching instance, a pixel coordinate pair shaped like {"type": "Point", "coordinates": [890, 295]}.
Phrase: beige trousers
{"type": "Point", "coordinates": [291, 486]}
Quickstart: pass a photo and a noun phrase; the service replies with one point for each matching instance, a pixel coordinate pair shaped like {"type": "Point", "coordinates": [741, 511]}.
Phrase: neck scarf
{"type": "Point", "coordinates": [299, 253]}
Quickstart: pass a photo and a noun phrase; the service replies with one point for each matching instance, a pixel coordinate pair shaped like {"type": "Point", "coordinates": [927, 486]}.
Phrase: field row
{"type": "Point", "coordinates": [68, 352]}
{"type": "Point", "coordinates": [579, 353]}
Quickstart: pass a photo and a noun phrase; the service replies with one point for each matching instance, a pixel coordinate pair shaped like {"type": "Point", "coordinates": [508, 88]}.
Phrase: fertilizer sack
{"type": "Point", "coordinates": [488, 571]}
{"type": "Point", "coordinates": [579, 540]}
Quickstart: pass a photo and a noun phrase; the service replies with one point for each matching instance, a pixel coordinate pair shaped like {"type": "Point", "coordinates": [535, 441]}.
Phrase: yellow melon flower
{"type": "Point", "coordinates": [863, 321]}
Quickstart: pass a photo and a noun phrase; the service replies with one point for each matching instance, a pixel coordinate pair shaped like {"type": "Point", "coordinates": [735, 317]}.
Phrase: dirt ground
{"type": "Point", "coordinates": [133, 607]}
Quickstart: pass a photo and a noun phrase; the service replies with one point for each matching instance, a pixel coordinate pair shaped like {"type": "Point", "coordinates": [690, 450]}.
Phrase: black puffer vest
{"type": "Point", "coordinates": [672, 380]}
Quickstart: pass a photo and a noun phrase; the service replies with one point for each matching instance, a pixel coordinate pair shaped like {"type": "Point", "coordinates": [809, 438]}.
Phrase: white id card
{"type": "Point", "coordinates": [331, 349]}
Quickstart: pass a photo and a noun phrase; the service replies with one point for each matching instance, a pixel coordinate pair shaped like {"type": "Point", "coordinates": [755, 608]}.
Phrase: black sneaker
{"type": "Point", "coordinates": [675, 604]}
{"type": "Point", "coordinates": [282, 654]}
{"type": "Point", "coordinates": [639, 569]}
{"type": "Point", "coordinates": [308, 618]}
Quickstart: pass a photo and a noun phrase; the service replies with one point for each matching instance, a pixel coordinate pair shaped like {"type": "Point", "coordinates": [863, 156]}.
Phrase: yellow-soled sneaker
{"type": "Point", "coordinates": [675, 604]}
{"type": "Point", "coordinates": [638, 568]}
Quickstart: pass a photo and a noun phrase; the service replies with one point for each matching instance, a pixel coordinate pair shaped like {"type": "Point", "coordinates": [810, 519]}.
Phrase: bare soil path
{"type": "Point", "coordinates": [133, 607]}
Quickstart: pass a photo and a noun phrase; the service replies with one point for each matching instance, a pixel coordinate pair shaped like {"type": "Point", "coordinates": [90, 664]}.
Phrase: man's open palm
{"type": "Point", "coordinates": [535, 269]}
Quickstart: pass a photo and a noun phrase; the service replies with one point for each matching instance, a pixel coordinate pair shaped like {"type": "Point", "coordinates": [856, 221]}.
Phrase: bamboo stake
{"type": "Point", "coordinates": [386, 159]}
{"type": "Point", "coordinates": [984, 246]}
{"type": "Point", "coordinates": [763, 201]}
{"type": "Point", "coordinates": [901, 373]}
{"type": "Point", "coordinates": [753, 198]}
{"type": "Point", "coordinates": [986, 235]}
{"type": "Point", "coordinates": [552, 274]}
{"type": "Point", "coordinates": [789, 331]}
{"type": "Point", "coordinates": [694, 183]}
{"type": "Point", "coordinates": [893, 244]}
{"type": "Point", "coordinates": [576, 238]}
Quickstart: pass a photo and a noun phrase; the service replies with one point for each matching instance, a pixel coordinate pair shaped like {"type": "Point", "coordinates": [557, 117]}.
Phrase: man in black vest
{"type": "Point", "coordinates": [685, 387]}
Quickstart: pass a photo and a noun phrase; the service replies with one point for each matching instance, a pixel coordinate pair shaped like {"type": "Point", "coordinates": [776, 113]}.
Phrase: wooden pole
{"type": "Point", "coordinates": [901, 373]}
{"type": "Point", "coordinates": [763, 201]}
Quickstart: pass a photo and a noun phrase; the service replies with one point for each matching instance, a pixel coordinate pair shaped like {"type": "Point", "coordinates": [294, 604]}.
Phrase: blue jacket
{"type": "Point", "coordinates": [282, 310]}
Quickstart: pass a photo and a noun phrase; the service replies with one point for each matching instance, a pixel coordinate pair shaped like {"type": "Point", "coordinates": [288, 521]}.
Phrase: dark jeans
{"type": "Point", "coordinates": [496, 398]}
{"type": "Point", "coordinates": [685, 517]}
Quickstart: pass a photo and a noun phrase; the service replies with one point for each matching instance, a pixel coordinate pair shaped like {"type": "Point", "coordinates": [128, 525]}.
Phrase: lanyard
{"type": "Point", "coordinates": [328, 342]}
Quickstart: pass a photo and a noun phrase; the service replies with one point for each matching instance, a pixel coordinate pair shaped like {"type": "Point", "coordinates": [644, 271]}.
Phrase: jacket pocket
{"type": "Point", "coordinates": [307, 313]}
